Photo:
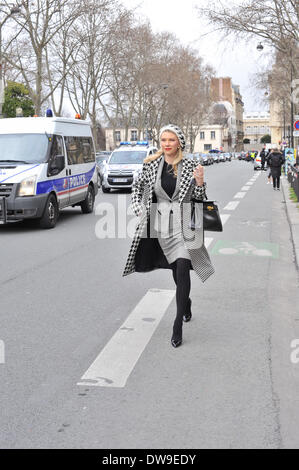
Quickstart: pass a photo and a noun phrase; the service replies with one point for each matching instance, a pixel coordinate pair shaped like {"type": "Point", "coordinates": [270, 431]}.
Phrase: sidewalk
{"type": "Point", "coordinates": [293, 217]}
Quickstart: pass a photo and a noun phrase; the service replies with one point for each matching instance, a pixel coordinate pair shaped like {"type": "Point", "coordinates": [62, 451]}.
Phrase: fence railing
{"type": "Point", "coordinates": [293, 178]}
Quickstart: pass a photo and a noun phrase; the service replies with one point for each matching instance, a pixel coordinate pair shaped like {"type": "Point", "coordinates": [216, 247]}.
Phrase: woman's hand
{"type": "Point", "coordinates": [198, 174]}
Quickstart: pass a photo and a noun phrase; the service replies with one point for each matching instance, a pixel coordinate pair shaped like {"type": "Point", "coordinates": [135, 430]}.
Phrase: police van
{"type": "Point", "coordinates": [46, 164]}
{"type": "Point", "coordinates": [125, 164]}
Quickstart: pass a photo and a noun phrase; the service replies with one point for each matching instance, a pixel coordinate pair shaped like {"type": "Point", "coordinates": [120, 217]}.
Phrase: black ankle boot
{"type": "Point", "coordinates": [177, 334]}
{"type": "Point", "coordinates": [187, 317]}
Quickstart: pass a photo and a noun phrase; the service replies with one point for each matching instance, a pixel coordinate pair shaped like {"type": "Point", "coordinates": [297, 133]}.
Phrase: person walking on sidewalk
{"type": "Point", "coordinates": [275, 160]}
{"type": "Point", "coordinates": [161, 197]}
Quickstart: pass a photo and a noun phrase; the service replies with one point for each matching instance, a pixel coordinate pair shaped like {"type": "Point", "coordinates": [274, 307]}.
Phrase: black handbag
{"type": "Point", "coordinates": [211, 217]}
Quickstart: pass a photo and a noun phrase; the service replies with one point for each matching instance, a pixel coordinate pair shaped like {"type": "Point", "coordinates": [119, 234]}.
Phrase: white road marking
{"type": "Point", "coordinates": [245, 188]}
{"type": "Point", "coordinates": [208, 240]}
{"type": "Point", "coordinates": [224, 218]}
{"type": "Point", "coordinates": [116, 361]}
{"type": "Point", "coordinates": [239, 195]}
{"type": "Point", "coordinates": [250, 183]}
{"type": "Point", "coordinates": [231, 206]}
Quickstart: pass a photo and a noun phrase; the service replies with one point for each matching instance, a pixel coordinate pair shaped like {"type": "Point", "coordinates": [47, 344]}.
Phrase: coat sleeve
{"type": "Point", "coordinates": [199, 192]}
{"type": "Point", "coordinates": [137, 192]}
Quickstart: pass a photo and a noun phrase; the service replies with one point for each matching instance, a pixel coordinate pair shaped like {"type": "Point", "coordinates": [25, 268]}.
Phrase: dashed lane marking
{"type": "Point", "coordinates": [239, 195]}
{"type": "Point", "coordinates": [224, 218]}
{"type": "Point", "coordinates": [245, 188]}
{"type": "Point", "coordinates": [231, 206]}
{"type": "Point", "coordinates": [116, 361]}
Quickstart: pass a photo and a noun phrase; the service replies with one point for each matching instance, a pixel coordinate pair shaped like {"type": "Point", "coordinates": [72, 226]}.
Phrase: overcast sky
{"type": "Point", "coordinates": [230, 59]}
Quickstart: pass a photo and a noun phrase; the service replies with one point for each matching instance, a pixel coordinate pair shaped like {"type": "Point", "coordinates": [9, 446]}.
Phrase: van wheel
{"type": "Point", "coordinates": [88, 203]}
{"type": "Point", "coordinates": [51, 212]}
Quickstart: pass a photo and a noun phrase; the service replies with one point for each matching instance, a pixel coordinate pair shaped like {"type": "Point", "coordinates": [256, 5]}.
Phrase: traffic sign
{"type": "Point", "coordinates": [296, 125]}
{"type": "Point", "coordinates": [295, 133]}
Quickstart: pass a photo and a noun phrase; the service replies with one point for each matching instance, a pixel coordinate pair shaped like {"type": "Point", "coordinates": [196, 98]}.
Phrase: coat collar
{"type": "Point", "coordinates": [186, 175]}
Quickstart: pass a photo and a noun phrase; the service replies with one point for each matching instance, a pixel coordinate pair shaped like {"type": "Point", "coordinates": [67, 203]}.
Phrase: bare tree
{"type": "Point", "coordinates": [38, 25]}
{"type": "Point", "coordinates": [86, 84]}
{"type": "Point", "coordinates": [275, 21]}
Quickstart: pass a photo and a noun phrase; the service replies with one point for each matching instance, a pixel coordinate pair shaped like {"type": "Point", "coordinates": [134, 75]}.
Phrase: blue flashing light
{"type": "Point", "coordinates": [125, 143]}
{"type": "Point", "coordinates": [49, 113]}
{"type": "Point", "coordinates": [142, 142]}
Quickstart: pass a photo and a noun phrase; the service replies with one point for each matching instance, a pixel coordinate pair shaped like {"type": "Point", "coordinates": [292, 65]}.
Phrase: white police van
{"type": "Point", "coordinates": [125, 164]}
{"type": "Point", "coordinates": [46, 164]}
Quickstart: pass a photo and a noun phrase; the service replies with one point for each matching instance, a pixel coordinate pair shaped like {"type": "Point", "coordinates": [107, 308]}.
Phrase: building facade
{"type": "Point", "coordinates": [211, 137]}
{"type": "Point", "coordinates": [115, 136]}
{"type": "Point", "coordinates": [223, 90]}
{"type": "Point", "coordinates": [256, 125]}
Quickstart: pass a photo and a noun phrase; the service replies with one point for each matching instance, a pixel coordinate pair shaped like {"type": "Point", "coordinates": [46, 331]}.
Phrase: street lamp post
{"type": "Point", "coordinates": [260, 47]}
{"type": "Point", "coordinates": [13, 11]}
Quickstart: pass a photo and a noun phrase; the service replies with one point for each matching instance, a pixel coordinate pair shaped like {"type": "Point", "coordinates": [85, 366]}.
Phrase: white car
{"type": "Point", "coordinates": [257, 163]}
{"type": "Point", "coordinates": [125, 164]}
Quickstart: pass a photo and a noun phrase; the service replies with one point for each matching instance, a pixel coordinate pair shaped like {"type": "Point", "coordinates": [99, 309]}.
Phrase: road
{"type": "Point", "coordinates": [65, 307]}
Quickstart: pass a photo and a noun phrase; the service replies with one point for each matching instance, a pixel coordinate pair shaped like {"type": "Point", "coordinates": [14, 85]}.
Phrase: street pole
{"type": "Point", "coordinates": [292, 104]}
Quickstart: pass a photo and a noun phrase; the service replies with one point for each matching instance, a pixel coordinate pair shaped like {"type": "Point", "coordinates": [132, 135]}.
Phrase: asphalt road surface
{"type": "Point", "coordinates": [86, 359]}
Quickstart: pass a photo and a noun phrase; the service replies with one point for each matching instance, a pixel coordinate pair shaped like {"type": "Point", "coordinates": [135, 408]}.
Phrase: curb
{"type": "Point", "coordinates": [293, 218]}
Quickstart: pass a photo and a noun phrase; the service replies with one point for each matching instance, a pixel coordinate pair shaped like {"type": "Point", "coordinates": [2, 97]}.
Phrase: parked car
{"type": "Point", "coordinates": [228, 156]}
{"type": "Point", "coordinates": [211, 158]}
{"type": "Point", "coordinates": [205, 159]}
{"type": "Point", "coordinates": [215, 157]}
{"type": "Point", "coordinates": [222, 157]}
{"type": "Point", "coordinates": [199, 158]}
{"type": "Point", "coordinates": [101, 160]}
{"type": "Point", "coordinates": [257, 163]}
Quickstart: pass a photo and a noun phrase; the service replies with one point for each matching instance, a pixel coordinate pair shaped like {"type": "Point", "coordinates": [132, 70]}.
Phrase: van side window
{"type": "Point", "coordinates": [56, 147]}
{"type": "Point", "coordinates": [79, 150]}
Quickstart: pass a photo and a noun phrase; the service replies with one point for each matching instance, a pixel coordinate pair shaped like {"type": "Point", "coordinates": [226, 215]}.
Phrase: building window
{"type": "Point", "coordinates": [213, 135]}
{"type": "Point", "coordinates": [133, 135]}
{"type": "Point", "coordinates": [117, 136]}
{"type": "Point", "coordinates": [202, 135]}
{"type": "Point", "coordinates": [207, 146]}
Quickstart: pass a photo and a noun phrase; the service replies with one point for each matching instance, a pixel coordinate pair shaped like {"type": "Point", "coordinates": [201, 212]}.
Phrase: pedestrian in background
{"type": "Point", "coordinates": [171, 181]}
{"type": "Point", "coordinates": [275, 161]}
{"type": "Point", "coordinates": [263, 155]}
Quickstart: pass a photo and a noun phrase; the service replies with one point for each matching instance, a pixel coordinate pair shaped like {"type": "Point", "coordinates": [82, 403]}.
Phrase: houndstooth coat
{"type": "Point", "coordinates": [145, 253]}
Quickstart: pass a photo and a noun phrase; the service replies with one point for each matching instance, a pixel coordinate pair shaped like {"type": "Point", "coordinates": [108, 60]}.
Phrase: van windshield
{"type": "Point", "coordinates": [130, 157]}
{"type": "Point", "coordinates": [23, 148]}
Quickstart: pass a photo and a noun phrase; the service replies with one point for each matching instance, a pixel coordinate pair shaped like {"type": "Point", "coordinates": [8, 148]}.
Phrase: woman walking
{"type": "Point", "coordinates": [161, 197]}
{"type": "Point", "coordinates": [275, 160]}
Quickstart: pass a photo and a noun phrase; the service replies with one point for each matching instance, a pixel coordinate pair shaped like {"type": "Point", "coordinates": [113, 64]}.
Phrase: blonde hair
{"type": "Point", "coordinates": [176, 161]}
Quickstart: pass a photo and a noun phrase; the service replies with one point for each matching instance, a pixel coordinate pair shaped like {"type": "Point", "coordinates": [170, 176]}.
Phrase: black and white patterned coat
{"type": "Point", "coordinates": [142, 197]}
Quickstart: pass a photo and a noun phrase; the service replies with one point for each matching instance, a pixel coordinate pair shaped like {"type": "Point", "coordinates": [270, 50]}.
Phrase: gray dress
{"type": "Point", "coordinates": [168, 219]}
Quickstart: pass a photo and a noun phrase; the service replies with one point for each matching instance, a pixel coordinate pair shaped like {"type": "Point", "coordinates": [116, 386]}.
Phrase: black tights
{"type": "Point", "coordinates": [181, 275]}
